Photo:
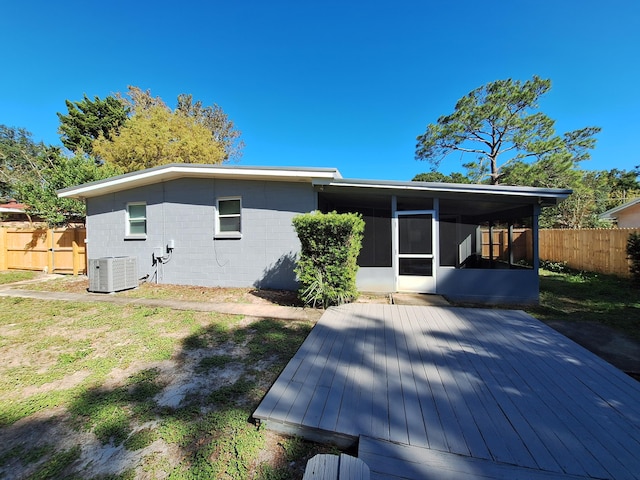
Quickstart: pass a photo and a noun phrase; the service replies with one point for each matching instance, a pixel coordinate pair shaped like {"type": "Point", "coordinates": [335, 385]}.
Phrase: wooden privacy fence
{"type": "Point", "coordinates": [496, 246]}
{"type": "Point", "coordinates": [55, 250]}
{"type": "Point", "coordinates": [591, 250]}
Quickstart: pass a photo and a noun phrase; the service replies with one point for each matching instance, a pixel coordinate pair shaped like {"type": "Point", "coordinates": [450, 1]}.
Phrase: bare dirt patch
{"type": "Point", "coordinates": [190, 293]}
{"type": "Point", "coordinates": [217, 370]}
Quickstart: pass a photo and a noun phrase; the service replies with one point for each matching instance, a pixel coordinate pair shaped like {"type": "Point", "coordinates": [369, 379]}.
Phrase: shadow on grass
{"type": "Point", "coordinates": [206, 433]}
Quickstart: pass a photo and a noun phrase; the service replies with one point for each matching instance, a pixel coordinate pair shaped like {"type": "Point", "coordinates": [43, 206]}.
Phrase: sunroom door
{"type": "Point", "coordinates": [415, 251]}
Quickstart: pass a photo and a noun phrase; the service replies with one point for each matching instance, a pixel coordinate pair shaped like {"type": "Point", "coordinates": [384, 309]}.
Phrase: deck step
{"type": "Point", "coordinates": [334, 467]}
{"type": "Point", "coordinates": [394, 461]}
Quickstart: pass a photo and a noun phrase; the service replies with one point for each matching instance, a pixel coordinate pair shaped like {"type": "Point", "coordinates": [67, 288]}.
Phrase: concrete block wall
{"type": "Point", "coordinates": [184, 211]}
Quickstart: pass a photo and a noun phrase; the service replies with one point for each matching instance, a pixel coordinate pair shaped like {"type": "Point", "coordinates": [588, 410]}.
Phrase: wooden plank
{"type": "Point", "coordinates": [277, 402]}
{"type": "Point", "coordinates": [492, 385]}
{"type": "Point", "coordinates": [387, 460]}
{"type": "Point", "coordinates": [512, 367]}
{"type": "Point", "coordinates": [352, 468]}
{"type": "Point", "coordinates": [325, 368]}
{"type": "Point", "coordinates": [606, 434]}
{"type": "Point", "coordinates": [397, 414]}
{"type": "Point", "coordinates": [361, 411]}
{"type": "Point", "coordinates": [505, 426]}
{"type": "Point", "coordinates": [378, 394]}
{"type": "Point", "coordinates": [438, 377]}
{"type": "Point", "coordinates": [322, 467]}
{"type": "Point", "coordinates": [562, 404]}
{"type": "Point", "coordinates": [416, 428]}
{"type": "Point", "coordinates": [432, 424]}
{"type": "Point", "coordinates": [344, 363]}
{"type": "Point", "coordinates": [584, 376]}
{"type": "Point", "coordinates": [455, 393]}
{"type": "Point", "coordinates": [492, 435]}
{"type": "Point", "coordinates": [307, 375]}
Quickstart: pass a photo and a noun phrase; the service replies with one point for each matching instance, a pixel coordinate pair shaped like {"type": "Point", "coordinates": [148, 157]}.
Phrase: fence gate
{"type": "Point", "coordinates": [59, 250]}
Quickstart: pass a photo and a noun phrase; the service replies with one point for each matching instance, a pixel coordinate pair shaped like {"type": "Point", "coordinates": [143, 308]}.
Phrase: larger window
{"type": "Point", "coordinates": [229, 217]}
{"type": "Point", "coordinates": [136, 220]}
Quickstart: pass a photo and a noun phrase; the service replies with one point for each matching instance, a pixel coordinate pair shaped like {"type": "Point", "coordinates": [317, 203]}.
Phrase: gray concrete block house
{"type": "Point", "coordinates": [230, 226]}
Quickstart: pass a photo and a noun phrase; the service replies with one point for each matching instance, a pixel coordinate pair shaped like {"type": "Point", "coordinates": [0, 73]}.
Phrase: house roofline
{"type": "Point", "coordinates": [315, 176]}
{"type": "Point", "coordinates": [174, 171]}
{"type": "Point", "coordinates": [546, 196]}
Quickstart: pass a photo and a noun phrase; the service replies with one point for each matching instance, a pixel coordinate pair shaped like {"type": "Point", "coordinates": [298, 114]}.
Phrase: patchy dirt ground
{"type": "Point", "coordinates": [174, 292]}
{"type": "Point", "coordinates": [189, 292]}
{"type": "Point", "coordinates": [182, 380]}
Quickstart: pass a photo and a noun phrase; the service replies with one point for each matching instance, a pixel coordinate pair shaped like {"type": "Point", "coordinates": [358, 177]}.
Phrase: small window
{"type": "Point", "coordinates": [136, 220]}
{"type": "Point", "coordinates": [229, 217]}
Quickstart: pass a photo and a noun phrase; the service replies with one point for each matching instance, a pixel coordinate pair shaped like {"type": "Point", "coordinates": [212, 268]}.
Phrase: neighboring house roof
{"type": "Point", "coordinates": [613, 213]}
{"type": "Point", "coordinates": [12, 207]}
{"type": "Point", "coordinates": [321, 177]}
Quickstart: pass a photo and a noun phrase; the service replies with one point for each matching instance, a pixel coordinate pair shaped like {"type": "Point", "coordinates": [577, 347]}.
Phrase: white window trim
{"type": "Point", "coordinates": [218, 233]}
{"type": "Point", "coordinates": [128, 234]}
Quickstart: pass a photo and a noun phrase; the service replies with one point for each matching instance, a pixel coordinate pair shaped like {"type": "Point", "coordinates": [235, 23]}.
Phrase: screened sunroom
{"type": "Point", "coordinates": [473, 243]}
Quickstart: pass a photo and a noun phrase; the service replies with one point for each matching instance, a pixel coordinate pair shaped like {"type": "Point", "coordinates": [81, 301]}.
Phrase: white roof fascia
{"type": "Point", "coordinates": [173, 171]}
{"type": "Point", "coordinates": [506, 190]}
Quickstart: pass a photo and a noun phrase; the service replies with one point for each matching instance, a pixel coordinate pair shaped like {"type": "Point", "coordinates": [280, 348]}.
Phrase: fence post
{"type": "Point", "coordinates": [3, 248]}
{"type": "Point", "coordinates": [49, 245]}
{"type": "Point", "coordinates": [75, 252]}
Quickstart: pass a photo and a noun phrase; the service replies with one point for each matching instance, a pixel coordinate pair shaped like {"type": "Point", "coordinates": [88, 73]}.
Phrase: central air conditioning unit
{"type": "Point", "coordinates": [112, 274]}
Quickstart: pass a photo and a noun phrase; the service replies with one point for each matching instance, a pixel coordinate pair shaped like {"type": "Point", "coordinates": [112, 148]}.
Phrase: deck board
{"type": "Point", "coordinates": [490, 387]}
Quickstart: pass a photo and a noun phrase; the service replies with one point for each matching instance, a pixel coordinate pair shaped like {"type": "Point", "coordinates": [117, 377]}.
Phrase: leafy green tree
{"type": "Point", "coordinates": [590, 197]}
{"type": "Point", "coordinates": [624, 186]}
{"type": "Point", "coordinates": [499, 124]}
{"type": "Point", "coordinates": [217, 122]}
{"type": "Point", "coordinates": [88, 120]}
{"type": "Point", "coordinates": [50, 171]}
{"type": "Point", "coordinates": [156, 135]}
{"type": "Point", "coordinates": [455, 177]}
{"type": "Point", "coordinates": [18, 152]}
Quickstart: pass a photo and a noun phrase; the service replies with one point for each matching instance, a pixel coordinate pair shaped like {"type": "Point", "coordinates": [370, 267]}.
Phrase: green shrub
{"type": "Point", "coordinates": [633, 253]}
{"type": "Point", "coordinates": [326, 269]}
{"type": "Point", "coordinates": [555, 267]}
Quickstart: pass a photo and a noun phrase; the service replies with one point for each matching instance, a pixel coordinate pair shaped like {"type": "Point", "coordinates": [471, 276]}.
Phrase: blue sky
{"type": "Point", "coordinates": [329, 83]}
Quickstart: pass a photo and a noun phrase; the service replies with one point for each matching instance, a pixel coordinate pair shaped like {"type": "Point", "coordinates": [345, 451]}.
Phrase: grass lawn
{"type": "Point", "coordinates": [590, 297]}
{"type": "Point", "coordinates": [11, 276]}
{"type": "Point", "coordinates": [105, 391]}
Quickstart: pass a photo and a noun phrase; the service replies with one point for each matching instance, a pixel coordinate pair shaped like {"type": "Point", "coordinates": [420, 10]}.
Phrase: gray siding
{"type": "Point", "coordinates": [184, 211]}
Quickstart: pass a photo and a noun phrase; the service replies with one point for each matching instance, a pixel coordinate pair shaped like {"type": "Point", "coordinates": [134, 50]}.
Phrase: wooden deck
{"type": "Point", "coordinates": [490, 393]}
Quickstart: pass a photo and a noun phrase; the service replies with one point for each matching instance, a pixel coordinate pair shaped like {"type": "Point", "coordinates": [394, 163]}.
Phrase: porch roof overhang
{"type": "Point", "coordinates": [542, 196]}
{"type": "Point", "coordinates": [165, 173]}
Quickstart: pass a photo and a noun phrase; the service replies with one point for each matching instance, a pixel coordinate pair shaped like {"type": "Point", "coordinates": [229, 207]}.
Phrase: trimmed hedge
{"type": "Point", "coordinates": [327, 264]}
